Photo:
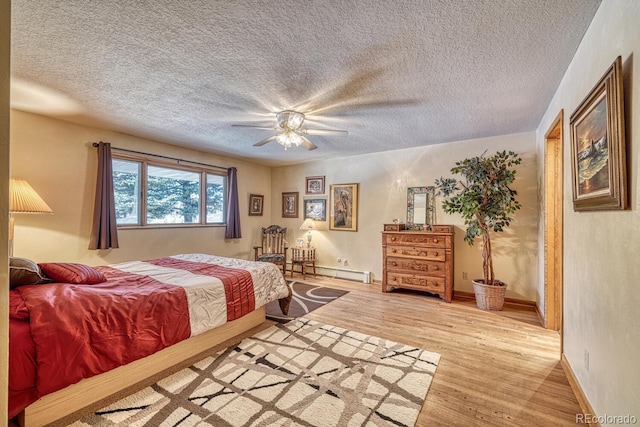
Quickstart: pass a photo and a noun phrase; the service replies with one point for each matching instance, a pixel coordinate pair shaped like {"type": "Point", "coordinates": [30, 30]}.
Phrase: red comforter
{"type": "Point", "coordinates": [61, 333]}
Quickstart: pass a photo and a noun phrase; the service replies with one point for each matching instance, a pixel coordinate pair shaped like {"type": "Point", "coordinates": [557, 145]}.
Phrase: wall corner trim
{"type": "Point", "coordinates": [577, 390]}
{"type": "Point", "coordinates": [543, 321]}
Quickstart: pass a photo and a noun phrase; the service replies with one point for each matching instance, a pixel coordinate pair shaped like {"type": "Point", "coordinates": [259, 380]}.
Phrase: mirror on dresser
{"type": "Point", "coordinates": [420, 208]}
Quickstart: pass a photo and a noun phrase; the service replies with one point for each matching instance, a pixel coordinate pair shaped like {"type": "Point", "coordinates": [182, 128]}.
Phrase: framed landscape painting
{"type": "Point", "coordinates": [343, 206]}
{"type": "Point", "coordinates": [314, 185]}
{"type": "Point", "coordinates": [598, 149]}
{"type": "Point", "coordinates": [290, 205]}
{"type": "Point", "coordinates": [315, 209]}
{"type": "Point", "coordinates": [256, 201]}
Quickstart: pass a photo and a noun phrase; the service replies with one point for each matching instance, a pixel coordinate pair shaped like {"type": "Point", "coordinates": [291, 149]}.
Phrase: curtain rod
{"type": "Point", "coordinates": [95, 144]}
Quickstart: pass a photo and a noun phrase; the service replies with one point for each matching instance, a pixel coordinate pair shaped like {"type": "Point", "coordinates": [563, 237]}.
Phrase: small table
{"type": "Point", "coordinates": [304, 256]}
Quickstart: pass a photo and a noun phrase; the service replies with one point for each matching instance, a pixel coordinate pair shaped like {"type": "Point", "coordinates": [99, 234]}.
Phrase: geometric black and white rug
{"type": "Point", "coordinates": [305, 298]}
{"type": "Point", "coordinates": [302, 373]}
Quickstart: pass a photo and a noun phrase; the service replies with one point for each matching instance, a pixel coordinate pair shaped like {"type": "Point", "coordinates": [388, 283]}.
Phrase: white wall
{"type": "Point", "coordinates": [57, 159]}
{"type": "Point", "coordinates": [383, 180]}
{"type": "Point", "coordinates": [601, 268]}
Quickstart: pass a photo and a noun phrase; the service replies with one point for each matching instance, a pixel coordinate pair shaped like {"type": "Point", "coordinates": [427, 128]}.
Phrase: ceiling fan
{"type": "Point", "coordinates": [289, 125]}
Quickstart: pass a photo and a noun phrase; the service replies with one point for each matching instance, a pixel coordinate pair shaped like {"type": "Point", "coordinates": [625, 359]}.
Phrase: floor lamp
{"type": "Point", "coordinates": [23, 199]}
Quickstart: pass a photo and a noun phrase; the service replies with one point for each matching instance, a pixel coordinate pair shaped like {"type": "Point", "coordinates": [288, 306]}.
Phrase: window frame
{"type": "Point", "coordinates": [203, 171]}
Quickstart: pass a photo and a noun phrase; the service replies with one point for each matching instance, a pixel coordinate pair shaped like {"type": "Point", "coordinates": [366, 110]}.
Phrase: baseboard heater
{"type": "Point", "coordinates": [343, 273]}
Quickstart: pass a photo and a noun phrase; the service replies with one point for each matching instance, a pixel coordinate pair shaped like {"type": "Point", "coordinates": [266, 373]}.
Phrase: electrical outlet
{"type": "Point", "coordinates": [465, 275]}
{"type": "Point", "coordinates": [339, 260]}
{"type": "Point", "coordinates": [586, 359]}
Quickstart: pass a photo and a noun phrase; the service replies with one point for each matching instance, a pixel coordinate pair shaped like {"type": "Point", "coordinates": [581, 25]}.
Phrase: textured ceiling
{"type": "Point", "coordinates": [395, 74]}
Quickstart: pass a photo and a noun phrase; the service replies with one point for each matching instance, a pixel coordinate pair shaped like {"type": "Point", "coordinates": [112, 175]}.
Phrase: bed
{"type": "Point", "coordinates": [92, 332]}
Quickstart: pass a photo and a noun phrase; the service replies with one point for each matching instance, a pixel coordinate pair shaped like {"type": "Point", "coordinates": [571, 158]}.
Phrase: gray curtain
{"type": "Point", "coordinates": [233, 209]}
{"type": "Point", "coordinates": [104, 232]}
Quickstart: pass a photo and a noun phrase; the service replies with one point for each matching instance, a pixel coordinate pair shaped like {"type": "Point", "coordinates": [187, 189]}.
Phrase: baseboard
{"type": "Point", "coordinates": [585, 406]}
{"type": "Point", "coordinates": [472, 296]}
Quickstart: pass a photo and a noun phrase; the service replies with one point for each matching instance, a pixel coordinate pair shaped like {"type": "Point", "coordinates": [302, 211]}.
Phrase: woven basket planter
{"type": "Point", "coordinates": [489, 297]}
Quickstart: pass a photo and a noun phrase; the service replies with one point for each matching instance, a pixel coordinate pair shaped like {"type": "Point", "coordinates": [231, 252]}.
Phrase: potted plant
{"type": "Point", "coordinates": [486, 202]}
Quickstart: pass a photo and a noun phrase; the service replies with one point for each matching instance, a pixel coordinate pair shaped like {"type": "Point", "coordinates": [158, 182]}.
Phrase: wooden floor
{"type": "Point", "coordinates": [497, 368]}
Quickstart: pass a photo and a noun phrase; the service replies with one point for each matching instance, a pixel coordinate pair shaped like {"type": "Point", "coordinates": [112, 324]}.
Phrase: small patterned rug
{"type": "Point", "coordinates": [306, 298]}
{"type": "Point", "coordinates": [302, 373]}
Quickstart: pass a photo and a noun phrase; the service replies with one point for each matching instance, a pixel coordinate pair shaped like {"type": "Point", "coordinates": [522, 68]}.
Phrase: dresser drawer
{"type": "Point", "coordinates": [442, 228]}
{"type": "Point", "coordinates": [408, 265]}
{"type": "Point", "coordinates": [431, 254]}
{"type": "Point", "coordinates": [412, 281]}
{"type": "Point", "coordinates": [393, 227]}
{"type": "Point", "coordinates": [417, 239]}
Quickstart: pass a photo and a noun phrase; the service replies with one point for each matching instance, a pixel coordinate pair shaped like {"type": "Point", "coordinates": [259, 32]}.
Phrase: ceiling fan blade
{"type": "Point", "coordinates": [307, 144]}
{"type": "Point", "coordinates": [254, 127]}
{"type": "Point", "coordinates": [325, 132]}
{"type": "Point", "coordinates": [264, 141]}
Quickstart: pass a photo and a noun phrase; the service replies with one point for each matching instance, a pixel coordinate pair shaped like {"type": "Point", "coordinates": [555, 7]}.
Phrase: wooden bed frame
{"type": "Point", "coordinates": [75, 397]}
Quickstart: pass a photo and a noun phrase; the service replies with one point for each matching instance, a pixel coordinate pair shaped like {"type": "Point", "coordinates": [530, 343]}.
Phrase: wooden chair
{"type": "Point", "coordinates": [274, 246]}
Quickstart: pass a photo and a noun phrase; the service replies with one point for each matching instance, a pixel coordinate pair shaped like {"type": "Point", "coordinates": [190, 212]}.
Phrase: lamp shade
{"type": "Point", "coordinates": [308, 224]}
{"type": "Point", "coordinates": [24, 199]}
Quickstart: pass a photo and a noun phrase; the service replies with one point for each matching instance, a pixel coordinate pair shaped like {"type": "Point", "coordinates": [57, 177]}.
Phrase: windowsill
{"type": "Point", "coordinates": [156, 226]}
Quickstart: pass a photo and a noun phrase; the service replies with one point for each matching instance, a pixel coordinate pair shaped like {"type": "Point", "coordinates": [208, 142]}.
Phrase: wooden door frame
{"type": "Point", "coordinates": [553, 223]}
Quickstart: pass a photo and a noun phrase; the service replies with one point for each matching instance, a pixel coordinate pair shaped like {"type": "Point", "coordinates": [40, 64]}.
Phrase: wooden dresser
{"type": "Point", "coordinates": [419, 260]}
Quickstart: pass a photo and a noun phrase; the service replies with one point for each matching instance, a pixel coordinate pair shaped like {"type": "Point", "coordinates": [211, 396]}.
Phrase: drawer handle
{"type": "Point", "coordinates": [436, 268]}
{"type": "Point", "coordinates": [435, 240]}
{"type": "Point", "coordinates": [393, 238]}
{"type": "Point", "coordinates": [393, 251]}
{"type": "Point", "coordinates": [395, 264]}
{"type": "Point", "coordinates": [435, 254]}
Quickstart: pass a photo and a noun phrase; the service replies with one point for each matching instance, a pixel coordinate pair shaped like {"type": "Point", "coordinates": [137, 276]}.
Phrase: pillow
{"type": "Point", "coordinates": [23, 271]}
{"type": "Point", "coordinates": [67, 272]}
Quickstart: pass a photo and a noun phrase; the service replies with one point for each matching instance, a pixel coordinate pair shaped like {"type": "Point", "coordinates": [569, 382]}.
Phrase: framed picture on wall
{"type": "Point", "coordinates": [314, 185]}
{"type": "Point", "coordinates": [598, 152]}
{"type": "Point", "coordinates": [256, 202]}
{"type": "Point", "coordinates": [315, 209]}
{"type": "Point", "coordinates": [290, 205]}
{"type": "Point", "coordinates": [343, 207]}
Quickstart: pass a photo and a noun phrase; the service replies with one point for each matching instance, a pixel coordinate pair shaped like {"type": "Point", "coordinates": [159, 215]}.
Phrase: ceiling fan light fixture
{"type": "Point", "coordinates": [291, 133]}
{"type": "Point", "coordinates": [289, 139]}
{"type": "Point", "coordinates": [289, 120]}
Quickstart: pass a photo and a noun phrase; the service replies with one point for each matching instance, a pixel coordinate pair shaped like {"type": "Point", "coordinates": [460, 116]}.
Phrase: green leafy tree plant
{"type": "Point", "coordinates": [484, 199]}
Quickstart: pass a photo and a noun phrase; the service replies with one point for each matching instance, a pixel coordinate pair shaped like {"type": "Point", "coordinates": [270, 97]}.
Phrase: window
{"type": "Point", "coordinates": [173, 196]}
{"type": "Point", "coordinates": [216, 198]}
{"type": "Point", "coordinates": [151, 194]}
{"type": "Point", "coordinates": [126, 191]}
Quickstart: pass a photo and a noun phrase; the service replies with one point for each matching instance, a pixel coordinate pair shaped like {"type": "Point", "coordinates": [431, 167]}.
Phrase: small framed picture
{"type": "Point", "coordinates": [315, 185]}
{"type": "Point", "coordinates": [343, 207]}
{"type": "Point", "coordinates": [315, 209]}
{"type": "Point", "coordinates": [290, 205]}
{"type": "Point", "coordinates": [256, 201]}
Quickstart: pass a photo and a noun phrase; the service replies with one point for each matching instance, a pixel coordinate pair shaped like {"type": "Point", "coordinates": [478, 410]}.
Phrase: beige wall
{"type": "Point", "coordinates": [5, 25]}
{"type": "Point", "coordinates": [57, 159]}
{"type": "Point", "coordinates": [601, 268]}
{"type": "Point", "coordinates": [383, 180]}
